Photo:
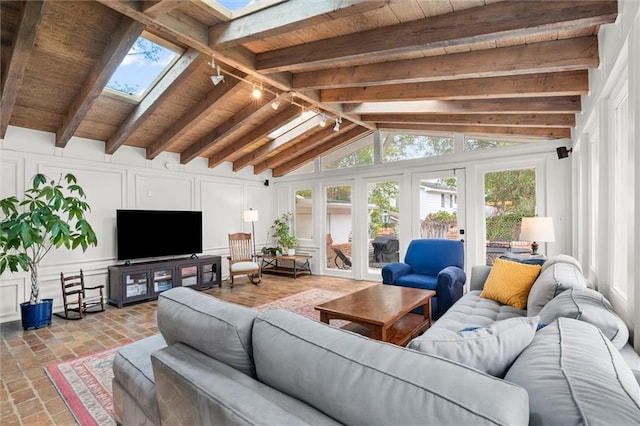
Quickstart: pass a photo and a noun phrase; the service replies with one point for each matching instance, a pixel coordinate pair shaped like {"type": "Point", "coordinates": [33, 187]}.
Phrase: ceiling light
{"type": "Point", "coordinates": [256, 93]}
{"type": "Point", "coordinates": [217, 79]}
{"type": "Point", "coordinates": [323, 122]}
{"type": "Point", "coordinates": [276, 103]}
{"type": "Point", "coordinates": [336, 128]}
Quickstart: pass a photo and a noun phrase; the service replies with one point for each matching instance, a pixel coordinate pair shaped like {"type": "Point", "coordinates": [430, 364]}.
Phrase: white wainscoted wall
{"type": "Point", "coordinates": [125, 180]}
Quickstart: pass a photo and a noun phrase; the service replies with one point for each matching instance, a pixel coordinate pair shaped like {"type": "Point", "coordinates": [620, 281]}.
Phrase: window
{"type": "Point", "coordinates": [471, 144]}
{"type": "Point", "coordinates": [146, 62]}
{"type": "Point", "coordinates": [304, 214]}
{"type": "Point", "coordinates": [442, 200]}
{"type": "Point", "coordinates": [510, 195]}
{"type": "Point", "coordinates": [338, 226]}
{"type": "Point", "coordinates": [358, 153]}
{"type": "Point", "coordinates": [383, 217]}
{"type": "Point", "coordinates": [407, 146]}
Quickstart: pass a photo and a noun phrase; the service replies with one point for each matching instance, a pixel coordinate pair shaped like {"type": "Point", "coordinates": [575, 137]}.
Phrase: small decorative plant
{"type": "Point", "coordinates": [50, 215]}
{"type": "Point", "coordinates": [282, 232]}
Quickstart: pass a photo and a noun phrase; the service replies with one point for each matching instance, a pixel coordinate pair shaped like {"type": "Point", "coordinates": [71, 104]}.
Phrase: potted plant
{"type": "Point", "coordinates": [282, 234]}
{"type": "Point", "coordinates": [51, 214]}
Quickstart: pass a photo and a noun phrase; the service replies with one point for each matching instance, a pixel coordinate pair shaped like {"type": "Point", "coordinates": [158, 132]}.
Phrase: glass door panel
{"type": "Point", "coordinates": [510, 195]}
{"type": "Point", "coordinates": [209, 274]}
{"type": "Point", "coordinates": [162, 279]}
{"type": "Point", "coordinates": [136, 284]}
{"type": "Point", "coordinates": [383, 216]}
{"type": "Point", "coordinates": [338, 225]}
{"type": "Point", "coordinates": [188, 275]}
{"type": "Point", "coordinates": [438, 203]}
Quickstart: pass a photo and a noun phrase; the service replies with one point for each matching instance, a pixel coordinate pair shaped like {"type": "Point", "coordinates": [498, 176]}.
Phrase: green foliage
{"type": "Point", "coordinates": [51, 214]}
{"type": "Point", "coordinates": [282, 232]}
{"type": "Point", "coordinates": [361, 157]}
{"type": "Point", "coordinates": [442, 216]}
{"type": "Point", "coordinates": [512, 191]}
{"type": "Point", "coordinates": [339, 193]}
{"type": "Point", "coordinates": [399, 146]}
{"type": "Point", "coordinates": [504, 227]}
{"type": "Point", "coordinates": [383, 195]}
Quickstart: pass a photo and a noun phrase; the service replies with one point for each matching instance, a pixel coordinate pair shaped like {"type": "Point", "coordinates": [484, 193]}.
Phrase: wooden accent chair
{"type": "Point", "coordinates": [241, 258]}
{"type": "Point", "coordinates": [75, 299]}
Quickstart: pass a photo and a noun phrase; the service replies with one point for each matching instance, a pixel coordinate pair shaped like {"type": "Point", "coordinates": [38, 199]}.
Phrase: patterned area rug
{"type": "Point", "coordinates": [85, 383]}
{"type": "Point", "coordinates": [85, 386]}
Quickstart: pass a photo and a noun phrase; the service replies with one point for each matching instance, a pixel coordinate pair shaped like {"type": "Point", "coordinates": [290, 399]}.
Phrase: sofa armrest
{"type": "Point", "coordinates": [479, 274]}
{"type": "Point", "coordinates": [393, 271]}
{"type": "Point", "coordinates": [450, 286]}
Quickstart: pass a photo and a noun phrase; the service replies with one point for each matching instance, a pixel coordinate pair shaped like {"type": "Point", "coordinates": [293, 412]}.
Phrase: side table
{"type": "Point", "coordinates": [291, 265]}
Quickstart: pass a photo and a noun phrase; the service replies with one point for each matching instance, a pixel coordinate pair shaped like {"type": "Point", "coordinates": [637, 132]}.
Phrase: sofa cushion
{"type": "Point", "coordinates": [491, 348]}
{"type": "Point", "coordinates": [219, 329]}
{"type": "Point", "coordinates": [386, 384]}
{"type": "Point", "coordinates": [133, 373]}
{"type": "Point", "coordinates": [575, 376]}
{"type": "Point", "coordinates": [587, 305]}
{"type": "Point", "coordinates": [558, 274]}
{"type": "Point", "coordinates": [473, 310]}
{"type": "Point", "coordinates": [427, 282]}
{"type": "Point", "coordinates": [509, 282]}
{"type": "Point", "coordinates": [194, 388]}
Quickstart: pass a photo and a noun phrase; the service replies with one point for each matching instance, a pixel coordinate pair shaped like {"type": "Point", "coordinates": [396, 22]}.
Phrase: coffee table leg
{"type": "Point", "coordinates": [427, 312]}
{"type": "Point", "coordinates": [324, 317]}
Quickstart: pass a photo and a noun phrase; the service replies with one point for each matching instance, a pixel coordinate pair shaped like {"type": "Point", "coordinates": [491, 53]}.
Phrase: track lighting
{"type": "Point", "coordinates": [276, 103]}
{"type": "Point", "coordinates": [336, 128]}
{"type": "Point", "coordinates": [323, 122]}
{"type": "Point", "coordinates": [218, 78]}
{"type": "Point", "coordinates": [256, 93]}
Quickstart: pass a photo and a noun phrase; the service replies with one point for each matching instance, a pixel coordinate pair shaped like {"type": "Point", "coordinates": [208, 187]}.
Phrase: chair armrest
{"type": "Point", "coordinates": [479, 274]}
{"type": "Point", "coordinates": [393, 271]}
{"type": "Point", "coordinates": [450, 286]}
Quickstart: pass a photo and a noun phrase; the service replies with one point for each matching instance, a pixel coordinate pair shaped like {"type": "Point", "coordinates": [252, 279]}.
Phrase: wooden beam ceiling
{"type": "Point", "coordinates": [552, 56]}
{"type": "Point", "coordinates": [120, 43]}
{"type": "Point", "coordinates": [179, 73]}
{"type": "Point", "coordinates": [484, 24]}
{"type": "Point", "coordinates": [21, 48]}
{"type": "Point", "coordinates": [539, 132]}
{"type": "Point", "coordinates": [511, 120]}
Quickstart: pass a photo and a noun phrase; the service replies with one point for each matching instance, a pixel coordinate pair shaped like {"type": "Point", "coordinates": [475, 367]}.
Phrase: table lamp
{"type": "Point", "coordinates": [251, 215]}
{"type": "Point", "coordinates": [537, 229]}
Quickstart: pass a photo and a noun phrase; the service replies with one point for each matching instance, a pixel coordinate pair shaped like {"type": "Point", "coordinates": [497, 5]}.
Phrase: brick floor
{"type": "Point", "coordinates": [27, 396]}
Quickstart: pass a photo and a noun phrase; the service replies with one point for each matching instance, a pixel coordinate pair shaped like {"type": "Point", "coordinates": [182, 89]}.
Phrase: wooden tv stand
{"type": "Point", "coordinates": [137, 282]}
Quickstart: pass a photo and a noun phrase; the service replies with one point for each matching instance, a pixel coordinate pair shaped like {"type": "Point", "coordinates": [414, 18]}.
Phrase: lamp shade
{"type": "Point", "coordinates": [538, 229]}
{"type": "Point", "coordinates": [251, 215]}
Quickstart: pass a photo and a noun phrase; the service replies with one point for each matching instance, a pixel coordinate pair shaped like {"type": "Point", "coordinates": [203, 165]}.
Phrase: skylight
{"type": "Point", "coordinates": [143, 66]}
{"type": "Point", "coordinates": [237, 8]}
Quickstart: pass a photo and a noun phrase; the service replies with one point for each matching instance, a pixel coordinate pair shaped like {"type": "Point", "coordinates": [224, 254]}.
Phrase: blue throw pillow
{"type": "Point", "coordinates": [525, 261]}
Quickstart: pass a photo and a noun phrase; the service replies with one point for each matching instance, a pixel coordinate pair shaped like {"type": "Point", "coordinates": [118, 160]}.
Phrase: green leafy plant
{"type": "Point", "coordinates": [51, 214]}
{"type": "Point", "coordinates": [282, 232]}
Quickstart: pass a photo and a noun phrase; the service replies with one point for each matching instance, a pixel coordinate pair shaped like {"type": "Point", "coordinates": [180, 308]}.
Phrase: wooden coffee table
{"type": "Point", "coordinates": [383, 312]}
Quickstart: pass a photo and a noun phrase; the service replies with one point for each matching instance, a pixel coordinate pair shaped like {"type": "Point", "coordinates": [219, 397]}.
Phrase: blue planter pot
{"type": "Point", "coordinates": [36, 316]}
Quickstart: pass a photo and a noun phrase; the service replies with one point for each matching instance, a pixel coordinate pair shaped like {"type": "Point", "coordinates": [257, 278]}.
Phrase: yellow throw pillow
{"type": "Point", "coordinates": [509, 283]}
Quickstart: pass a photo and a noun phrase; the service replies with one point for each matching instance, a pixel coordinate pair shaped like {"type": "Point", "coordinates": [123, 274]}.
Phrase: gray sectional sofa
{"type": "Point", "coordinates": [219, 363]}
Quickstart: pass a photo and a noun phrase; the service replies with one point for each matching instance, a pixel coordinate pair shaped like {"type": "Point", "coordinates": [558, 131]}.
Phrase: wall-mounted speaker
{"type": "Point", "coordinates": [563, 152]}
{"type": "Point", "coordinates": [266, 182]}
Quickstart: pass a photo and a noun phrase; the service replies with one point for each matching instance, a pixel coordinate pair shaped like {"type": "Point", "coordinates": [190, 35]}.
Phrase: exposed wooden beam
{"type": "Point", "coordinates": [192, 117]}
{"type": "Point", "coordinates": [254, 135]}
{"type": "Point", "coordinates": [480, 24]}
{"type": "Point", "coordinates": [551, 56]}
{"type": "Point", "coordinates": [226, 129]}
{"type": "Point", "coordinates": [555, 105]}
{"type": "Point", "coordinates": [294, 146]}
{"type": "Point", "coordinates": [537, 132]}
{"type": "Point", "coordinates": [178, 74]}
{"type": "Point", "coordinates": [285, 17]}
{"type": "Point", "coordinates": [262, 131]}
{"type": "Point", "coordinates": [529, 85]}
{"type": "Point", "coordinates": [510, 120]}
{"type": "Point", "coordinates": [341, 139]}
{"type": "Point", "coordinates": [21, 48]}
{"type": "Point", "coordinates": [195, 35]}
{"type": "Point", "coordinates": [121, 41]}
{"type": "Point", "coordinates": [160, 7]}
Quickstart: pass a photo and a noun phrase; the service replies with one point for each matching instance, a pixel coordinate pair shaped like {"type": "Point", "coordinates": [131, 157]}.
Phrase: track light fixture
{"type": "Point", "coordinates": [305, 113]}
{"type": "Point", "coordinates": [323, 122]}
{"type": "Point", "coordinates": [276, 103]}
{"type": "Point", "coordinates": [256, 93]}
{"type": "Point", "coordinates": [218, 78]}
{"type": "Point", "coordinates": [336, 128]}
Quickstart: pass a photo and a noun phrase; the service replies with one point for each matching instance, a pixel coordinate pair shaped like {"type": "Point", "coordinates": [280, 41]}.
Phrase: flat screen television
{"type": "Point", "coordinates": [155, 233]}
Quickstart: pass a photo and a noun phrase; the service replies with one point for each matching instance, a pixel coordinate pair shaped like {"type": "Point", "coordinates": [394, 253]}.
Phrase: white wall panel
{"type": "Point", "coordinates": [12, 293]}
{"type": "Point", "coordinates": [12, 174]}
{"type": "Point", "coordinates": [260, 197]}
{"type": "Point", "coordinates": [157, 192]}
{"type": "Point", "coordinates": [222, 206]}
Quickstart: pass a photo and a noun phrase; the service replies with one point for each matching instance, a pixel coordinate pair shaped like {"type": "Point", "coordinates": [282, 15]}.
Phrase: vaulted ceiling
{"type": "Point", "coordinates": [492, 69]}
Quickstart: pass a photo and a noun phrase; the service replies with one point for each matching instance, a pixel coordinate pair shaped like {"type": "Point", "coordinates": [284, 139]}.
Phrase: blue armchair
{"type": "Point", "coordinates": [431, 264]}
